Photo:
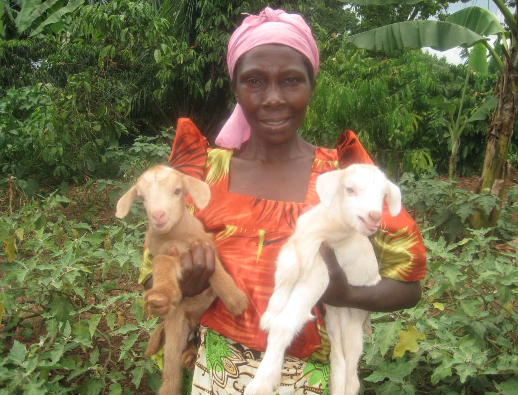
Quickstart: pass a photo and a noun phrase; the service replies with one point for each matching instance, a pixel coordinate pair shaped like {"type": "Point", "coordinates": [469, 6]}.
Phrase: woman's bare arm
{"type": "Point", "coordinates": [387, 295]}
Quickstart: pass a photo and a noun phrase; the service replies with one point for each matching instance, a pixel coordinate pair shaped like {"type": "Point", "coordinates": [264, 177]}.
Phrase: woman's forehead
{"type": "Point", "coordinates": [272, 54]}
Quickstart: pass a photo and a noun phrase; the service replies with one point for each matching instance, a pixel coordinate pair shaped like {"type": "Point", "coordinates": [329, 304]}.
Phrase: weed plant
{"type": "Point", "coordinates": [72, 319]}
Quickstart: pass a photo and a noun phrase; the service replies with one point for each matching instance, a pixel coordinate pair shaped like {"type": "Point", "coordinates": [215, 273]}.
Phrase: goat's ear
{"type": "Point", "coordinates": [124, 203]}
{"type": "Point", "coordinates": [394, 199]}
{"type": "Point", "coordinates": [327, 186]}
{"type": "Point", "coordinates": [199, 191]}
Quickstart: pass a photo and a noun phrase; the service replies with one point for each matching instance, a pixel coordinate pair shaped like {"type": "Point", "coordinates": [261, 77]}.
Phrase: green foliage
{"type": "Point", "coordinates": [34, 16]}
{"type": "Point", "coordinates": [72, 319]}
{"type": "Point", "coordinates": [387, 100]}
{"type": "Point", "coordinates": [461, 337]}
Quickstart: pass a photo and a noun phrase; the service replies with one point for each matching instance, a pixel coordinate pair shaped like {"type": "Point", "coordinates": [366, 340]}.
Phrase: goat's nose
{"type": "Point", "coordinates": [158, 215]}
{"type": "Point", "coordinates": [375, 215]}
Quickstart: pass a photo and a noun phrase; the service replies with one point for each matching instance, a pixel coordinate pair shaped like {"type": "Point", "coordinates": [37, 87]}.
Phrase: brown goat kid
{"type": "Point", "coordinates": [172, 229]}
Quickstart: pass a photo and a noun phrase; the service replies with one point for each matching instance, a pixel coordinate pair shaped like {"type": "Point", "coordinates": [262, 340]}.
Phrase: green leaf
{"type": "Point", "coordinates": [110, 320]}
{"type": "Point", "coordinates": [115, 389]}
{"type": "Point", "coordinates": [508, 387]}
{"type": "Point", "coordinates": [416, 34]}
{"type": "Point", "coordinates": [137, 374]}
{"type": "Point", "coordinates": [483, 112]}
{"type": "Point", "coordinates": [407, 341]}
{"type": "Point", "coordinates": [17, 353]}
{"type": "Point", "coordinates": [61, 308]}
{"type": "Point", "coordinates": [442, 371]}
{"type": "Point", "coordinates": [38, 12]}
{"type": "Point", "coordinates": [24, 16]}
{"type": "Point", "coordinates": [477, 19]}
{"type": "Point", "coordinates": [56, 16]}
{"type": "Point", "coordinates": [94, 386]}
{"type": "Point", "coordinates": [93, 322]}
{"type": "Point", "coordinates": [35, 388]}
{"type": "Point", "coordinates": [478, 58]}
{"type": "Point", "coordinates": [158, 55]}
{"type": "Point", "coordinates": [125, 329]}
{"type": "Point", "coordinates": [386, 335]}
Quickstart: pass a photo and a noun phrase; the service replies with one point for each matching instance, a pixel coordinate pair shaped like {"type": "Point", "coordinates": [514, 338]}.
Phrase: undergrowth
{"type": "Point", "coordinates": [72, 319]}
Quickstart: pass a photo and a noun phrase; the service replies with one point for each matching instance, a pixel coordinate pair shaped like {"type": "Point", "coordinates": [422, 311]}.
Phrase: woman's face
{"type": "Point", "coordinates": [274, 90]}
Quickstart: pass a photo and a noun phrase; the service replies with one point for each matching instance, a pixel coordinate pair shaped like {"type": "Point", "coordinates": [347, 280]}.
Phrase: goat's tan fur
{"type": "Point", "coordinates": [163, 191]}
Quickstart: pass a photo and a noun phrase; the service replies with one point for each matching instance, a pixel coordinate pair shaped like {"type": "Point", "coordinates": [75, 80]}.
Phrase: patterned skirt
{"type": "Point", "coordinates": [225, 367]}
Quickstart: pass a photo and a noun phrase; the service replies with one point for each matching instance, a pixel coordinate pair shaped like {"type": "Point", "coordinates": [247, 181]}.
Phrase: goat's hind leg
{"type": "Point", "coordinates": [286, 276]}
{"type": "Point", "coordinates": [285, 326]}
{"type": "Point", "coordinates": [166, 291]}
{"type": "Point", "coordinates": [176, 332]}
{"type": "Point", "coordinates": [337, 357]}
{"type": "Point", "coordinates": [352, 338]}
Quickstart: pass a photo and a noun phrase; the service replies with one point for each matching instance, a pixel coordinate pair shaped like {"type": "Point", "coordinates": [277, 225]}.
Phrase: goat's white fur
{"type": "Point", "coordinates": [350, 198]}
{"type": "Point", "coordinates": [171, 225]}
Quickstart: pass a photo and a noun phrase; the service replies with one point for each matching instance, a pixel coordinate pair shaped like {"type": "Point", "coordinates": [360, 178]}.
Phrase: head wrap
{"type": "Point", "coordinates": [269, 27]}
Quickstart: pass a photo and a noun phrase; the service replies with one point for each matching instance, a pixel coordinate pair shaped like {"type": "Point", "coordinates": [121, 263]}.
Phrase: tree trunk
{"type": "Point", "coordinates": [500, 131]}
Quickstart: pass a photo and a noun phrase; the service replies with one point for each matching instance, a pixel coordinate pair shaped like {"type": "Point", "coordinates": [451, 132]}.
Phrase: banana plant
{"type": "Point", "coordinates": [470, 26]}
{"type": "Point", "coordinates": [34, 16]}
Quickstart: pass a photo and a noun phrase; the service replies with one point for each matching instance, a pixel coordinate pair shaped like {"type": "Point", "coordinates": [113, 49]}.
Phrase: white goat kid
{"type": "Point", "coordinates": [350, 210]}
{"type": "Point", "coordinates": [171, 226]}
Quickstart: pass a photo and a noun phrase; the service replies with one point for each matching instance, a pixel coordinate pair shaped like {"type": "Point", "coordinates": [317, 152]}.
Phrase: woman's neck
{"type": "Point", "coordinates": [257, 149]}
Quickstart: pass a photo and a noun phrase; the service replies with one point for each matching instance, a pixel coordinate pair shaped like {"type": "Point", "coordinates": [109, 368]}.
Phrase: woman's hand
{"type": "Point", "coordinates": [338, 291]}
{"type": "Point", "coordinates": [387, 295]}
{"type": "Point", "coordinates": [197, 267]}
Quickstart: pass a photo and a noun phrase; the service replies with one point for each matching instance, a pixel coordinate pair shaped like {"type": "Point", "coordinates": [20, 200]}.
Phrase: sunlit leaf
{"type": "Point", "coordinates": [10, 248]}
{"type": "Point", "coordinates": [477, 19]}
{"type": "Point", "coordinates": [416, 34]}
{"type": "Point", "coordinates": [407, 341]}
{"type": "Point", "coordinates": [17, 353]}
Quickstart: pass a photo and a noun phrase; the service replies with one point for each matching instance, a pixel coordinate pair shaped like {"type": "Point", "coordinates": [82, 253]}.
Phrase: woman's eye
{"type": "Point", "coordinates": [178, 191]}
{"type": "Point", "coordinates": [291, 80]}
{"type": "Point", "coordinates": [253, 81]}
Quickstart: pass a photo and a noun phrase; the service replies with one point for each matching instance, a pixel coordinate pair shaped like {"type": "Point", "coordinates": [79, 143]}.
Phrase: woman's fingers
{"type": "Point", "coordinates": [197, 267]}
{"type": "Point", "coordinates": [329, 258]}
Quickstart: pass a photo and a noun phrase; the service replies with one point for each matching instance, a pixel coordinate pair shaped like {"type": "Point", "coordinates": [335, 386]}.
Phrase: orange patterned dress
{"type": "Point", "coordinates": [249, 233]}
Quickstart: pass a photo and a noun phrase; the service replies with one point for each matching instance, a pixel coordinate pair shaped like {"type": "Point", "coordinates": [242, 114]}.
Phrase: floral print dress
{"type": "Point", "coordinates": [249, 233]}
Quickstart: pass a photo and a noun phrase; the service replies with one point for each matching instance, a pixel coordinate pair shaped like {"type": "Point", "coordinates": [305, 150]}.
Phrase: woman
{"type": "Point", "coordinates": [260, 183]}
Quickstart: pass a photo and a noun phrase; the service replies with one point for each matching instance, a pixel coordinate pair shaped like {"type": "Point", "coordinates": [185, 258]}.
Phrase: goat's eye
{"type": "Point", "coordinates": [350, 190]}
{"type": "Point", "coordinates": [178, 191]}
{"type": "Point", "coordinates": [140, 197]}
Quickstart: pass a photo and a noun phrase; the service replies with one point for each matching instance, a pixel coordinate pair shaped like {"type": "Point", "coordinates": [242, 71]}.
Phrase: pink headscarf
{"type": "Point", "coordinates": [269, 27]}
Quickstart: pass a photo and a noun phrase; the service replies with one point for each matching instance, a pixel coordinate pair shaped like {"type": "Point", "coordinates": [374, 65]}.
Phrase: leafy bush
{"type": "Point", "coordinates": [461, 338]}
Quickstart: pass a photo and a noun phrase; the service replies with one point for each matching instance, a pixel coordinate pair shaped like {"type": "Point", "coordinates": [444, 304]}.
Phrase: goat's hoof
{"type": "Point", "coordinates": [189, 356]}
{"type": "Point", "coordinates": [238, 303]}
{"type": "Point", "coordinates": [160, 301]}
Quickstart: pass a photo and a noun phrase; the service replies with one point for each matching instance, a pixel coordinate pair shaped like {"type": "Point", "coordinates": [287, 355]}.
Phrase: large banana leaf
{"type": "Point", "coordinates": [478, 19]}
{"type": "Point", "coordinates": [416, 34]}
{"type": "Point", "coordinates": [56, 16]}
{"type": "Point", "coordinates": [478, 58]}
{"type": "Point", "coordinates": [380, 2]}
{"type": "Point", "coordinates": [23, 17]}
{"type": "Point", "coordinates": [35, 14]}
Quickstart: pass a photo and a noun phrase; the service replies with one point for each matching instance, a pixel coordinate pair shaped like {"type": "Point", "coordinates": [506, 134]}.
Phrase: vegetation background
{"type": "Point", "coordinates": [89, 95]}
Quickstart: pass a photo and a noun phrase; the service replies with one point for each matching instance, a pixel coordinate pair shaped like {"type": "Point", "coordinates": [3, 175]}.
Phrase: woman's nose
{"type": "Point", "coordinates": [273, 96]}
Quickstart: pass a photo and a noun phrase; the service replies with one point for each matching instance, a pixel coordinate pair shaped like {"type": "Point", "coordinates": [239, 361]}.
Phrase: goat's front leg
{"type": "Point", "coordinates": [337, 358]}
{"type": "Point", "coordinates": [224, 286]}
{"type": "Point", "coordinates": [285, 326]}
{"type": "Point", "coordinates": [166, 291]}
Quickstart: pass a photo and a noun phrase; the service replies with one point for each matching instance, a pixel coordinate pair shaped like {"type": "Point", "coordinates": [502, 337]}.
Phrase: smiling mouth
{"type": "Point", "coordinates": [275, 122]}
